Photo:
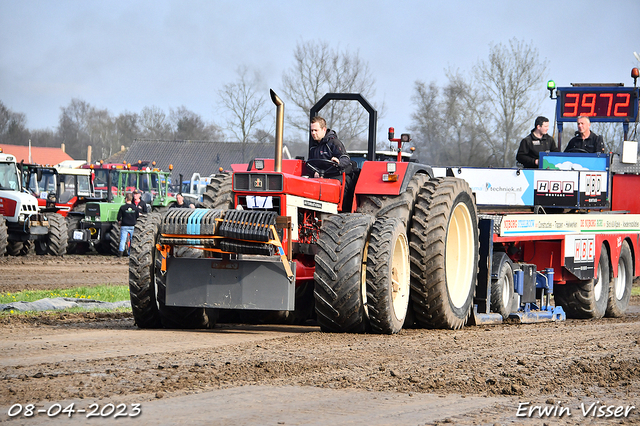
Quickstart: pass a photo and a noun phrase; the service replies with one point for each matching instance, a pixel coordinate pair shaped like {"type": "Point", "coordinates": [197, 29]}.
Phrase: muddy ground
{"type": "Point", "coordinates": [92, 357]}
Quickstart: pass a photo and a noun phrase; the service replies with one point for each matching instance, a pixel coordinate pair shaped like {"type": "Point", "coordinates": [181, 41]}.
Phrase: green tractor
{"type": "Point", "coordinates": [98, 226]}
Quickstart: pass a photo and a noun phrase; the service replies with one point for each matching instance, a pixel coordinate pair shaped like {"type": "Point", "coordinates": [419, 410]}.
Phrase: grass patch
{"type": "Point", "coordinates": [635, 291]}
{"type": "Point", "coordinates": [104, 293]}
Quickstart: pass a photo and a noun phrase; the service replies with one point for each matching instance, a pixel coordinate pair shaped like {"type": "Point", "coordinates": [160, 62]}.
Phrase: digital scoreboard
{"type": "Point", "coordinates": [600, 103]}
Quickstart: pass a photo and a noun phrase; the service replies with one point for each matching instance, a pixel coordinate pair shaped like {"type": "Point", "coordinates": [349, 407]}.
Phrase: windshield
{"type": "Point", "coordinates": [84, 186]}
{"type": "Point", "coordinates": [9, 177]}
{"type": "Point", "coordinates": [47, 183]}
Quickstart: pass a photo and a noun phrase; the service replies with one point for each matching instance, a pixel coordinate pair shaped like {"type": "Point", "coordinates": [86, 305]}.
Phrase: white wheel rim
{"type": "Point", "coordinates": [620, 283]}
{"type": "Point", "coordinates": [597, 289]}
{"type": "Point", "coordinates": [363, 280]}
{"type": "Point", "coordinates": [400, 277]}
{"type": "Point", "coordinates": [506, 283]}
{"type": "Point", "coordinates": [459, 255]}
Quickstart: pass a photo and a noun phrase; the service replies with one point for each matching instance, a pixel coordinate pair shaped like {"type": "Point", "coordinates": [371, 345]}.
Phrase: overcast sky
{"type": "Point", "coordinates": [125, 55]}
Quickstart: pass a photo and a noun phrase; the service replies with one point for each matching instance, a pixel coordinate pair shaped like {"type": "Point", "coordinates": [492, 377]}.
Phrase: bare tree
{"type": "Point", "coordinates": [190, 126]}
{"type": "Point", "coordinates": [13, 127]}
{"type": "Point", "coordinates": [246, 108]}
{"type": "Point", "coordinates": [444, 126]}
{"type": "Point", "coordinates": [73, 127]}
{"type": "Point", "coordinates": [510, 78]}
{"type": "Point", "coordinates": [318, 70]}
{"type": "Point", "coordinates": [154, 123]}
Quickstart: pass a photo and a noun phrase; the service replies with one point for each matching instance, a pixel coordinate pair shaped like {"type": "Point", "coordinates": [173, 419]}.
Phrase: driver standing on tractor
{"type": "Point", "coordinates": [585, 139]}
{"type": "Point", "coordinates": [325, 145]}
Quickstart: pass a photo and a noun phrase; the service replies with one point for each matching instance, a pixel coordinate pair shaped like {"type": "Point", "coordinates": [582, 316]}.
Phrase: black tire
{"type": "Point", "coordinates": [620, 287]}
{"type": "Point", "coordinates": [444, 253]}
{"type": "Point", "coordinates": [219, 193]}
{"type": "Point", "coordinates": [340, 273]}
{"type": "Point", "coordinates": [57, 238]}
{"type": "Point", "coordinates": [178, 317]}
{"type": "Point", "coordinates": [400, 206]}
{"type": "Point", "coordinates": [147, 285]}
{"type": "Point", "coordinates": [3, 236]}
{"type": "Point", "coordinates": [114, 238]}
{"type": "Point", "coordinates": [586, 299]}
{"type": "Point", "coordinates": [388, 275]}
{"type": "Point", "coordinates": [73, 223]}
{"type": "Point", "coordinates": [19, 248]}
{"type": "Point", "coordinates": [502, 287]}
{"type": "Point", "coordinates": [142, 290]}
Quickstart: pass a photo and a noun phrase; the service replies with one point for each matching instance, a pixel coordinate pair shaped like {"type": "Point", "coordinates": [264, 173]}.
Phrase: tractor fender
{"type": "Point", "coordinates": [370, 180]}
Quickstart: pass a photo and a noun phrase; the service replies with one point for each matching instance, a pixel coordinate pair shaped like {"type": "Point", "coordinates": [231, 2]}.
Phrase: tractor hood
{"type": "Point", "coordinates": [13, 203]}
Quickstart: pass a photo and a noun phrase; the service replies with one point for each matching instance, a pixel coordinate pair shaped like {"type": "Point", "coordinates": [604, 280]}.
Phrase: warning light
{"type": "Point", "coordinates": [392, 132]}
{"type": "Point", "coordinates": [170, 167]}
{"type": "Point", "coordinates": [551, 86]}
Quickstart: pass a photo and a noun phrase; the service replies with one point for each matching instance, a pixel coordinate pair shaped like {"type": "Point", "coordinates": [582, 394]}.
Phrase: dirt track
{"type": "Point", "coordinates": [105, 358]}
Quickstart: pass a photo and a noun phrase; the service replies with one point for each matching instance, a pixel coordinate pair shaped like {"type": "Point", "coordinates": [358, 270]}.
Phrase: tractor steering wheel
{"type": "Point", "coordinates": [578, 150]}
{"type": "Point", "coordinates": [323, 166]}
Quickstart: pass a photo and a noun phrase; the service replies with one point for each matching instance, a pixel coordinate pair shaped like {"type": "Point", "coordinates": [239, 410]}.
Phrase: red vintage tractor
{"type": "Point", "coordinates": [369, 250]}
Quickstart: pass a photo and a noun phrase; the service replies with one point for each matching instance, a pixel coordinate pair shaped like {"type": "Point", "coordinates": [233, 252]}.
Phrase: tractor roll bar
{"type": "Point", "coordinates": [373, 116]}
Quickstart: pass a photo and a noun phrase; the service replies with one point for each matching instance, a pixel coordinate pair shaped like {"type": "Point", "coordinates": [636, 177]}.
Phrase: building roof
{"type": "Point", "coordinates": [188, 157]}
{"type": "Point", "coordinates": [39, 154]}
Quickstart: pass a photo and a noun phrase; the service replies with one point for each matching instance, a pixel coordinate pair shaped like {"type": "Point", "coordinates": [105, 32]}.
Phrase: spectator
{"type": "Point", "coordinates": [182, 204]}
{"type": "Point", "coordinates": [127, 218]}
{"type": "Point", "coordinates": [140, 204]}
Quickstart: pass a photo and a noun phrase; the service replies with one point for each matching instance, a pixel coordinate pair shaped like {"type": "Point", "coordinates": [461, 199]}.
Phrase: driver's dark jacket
{"type": "Point", "coordinates": [531, 147]}
{"type": "Point", "coordinates": [591, 144]}
{"type": "Point", "coordinates": [329, 147]}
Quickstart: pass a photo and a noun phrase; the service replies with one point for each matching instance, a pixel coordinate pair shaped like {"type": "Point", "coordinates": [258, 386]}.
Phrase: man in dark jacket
{"type": "Point", "coordinates": [324, 144]}
{"type": "Point", "coordinates": [181, 203]}
{"type": "Point", "coordinates": [538, 141]}
{"type": "Point", "coordinates": [139, 202]}
{"type": "Point", "coordinates": [127, 218]}
{"type": "Point", "coordinates": [585, 139]}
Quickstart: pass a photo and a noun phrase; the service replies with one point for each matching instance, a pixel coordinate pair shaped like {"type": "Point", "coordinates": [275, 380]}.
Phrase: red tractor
{"type": "Point", "coordinates": [368, 250]}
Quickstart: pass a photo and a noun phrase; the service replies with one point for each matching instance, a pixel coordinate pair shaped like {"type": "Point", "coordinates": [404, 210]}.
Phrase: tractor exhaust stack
{"type": "Point", "coordinates": [279, 129]}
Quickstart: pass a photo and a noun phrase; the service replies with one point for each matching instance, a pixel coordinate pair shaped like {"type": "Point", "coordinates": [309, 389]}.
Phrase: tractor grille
{"type": "Point", "coordinates": [257, 182]}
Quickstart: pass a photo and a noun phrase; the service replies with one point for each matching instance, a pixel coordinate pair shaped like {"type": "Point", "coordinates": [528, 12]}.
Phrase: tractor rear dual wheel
{"type": "Point", "coordinates": [502, 287]}
{"type": "Point", "coordinates": [444, 253]}
{"type": "Point", "coordinates": [340, 273]}
{"type": "Point", "coordinates": [388, 275]}
{"type": "Point", "coordinates": [620, 286]}
{"type": "Point", "coordinates": [586, 299]}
